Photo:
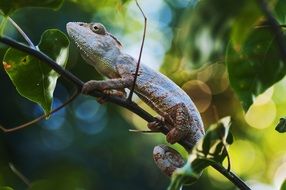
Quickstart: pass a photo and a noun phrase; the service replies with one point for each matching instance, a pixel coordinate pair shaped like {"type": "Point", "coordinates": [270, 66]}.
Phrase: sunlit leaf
{"type": "Point", "coordinates": [32, 78]}
{"type": "Point", "coordinates": [212, 148]}
{"type": "Point", "coordinates": [8, 6]}
{"type": "Point", "coordinates": [255, 66]}
{"type": "Point", "coordinates": [281, 127]}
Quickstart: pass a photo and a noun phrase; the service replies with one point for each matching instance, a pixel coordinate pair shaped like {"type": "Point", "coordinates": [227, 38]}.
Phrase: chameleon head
{"type": "Point", "coordinates": [94, 41]}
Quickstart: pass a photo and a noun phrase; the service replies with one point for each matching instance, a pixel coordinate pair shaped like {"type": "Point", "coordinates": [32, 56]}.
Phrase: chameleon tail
{"type": "Point", "coordinates": [167, 159]}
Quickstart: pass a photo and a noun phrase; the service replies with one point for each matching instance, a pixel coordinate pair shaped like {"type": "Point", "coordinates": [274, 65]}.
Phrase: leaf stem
{"type": "Point", "coordinates": [23, 34]}
{"type": "Point", "coordinates": [133, 107]}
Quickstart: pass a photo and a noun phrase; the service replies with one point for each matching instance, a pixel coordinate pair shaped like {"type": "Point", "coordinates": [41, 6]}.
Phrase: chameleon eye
{"type": "Point", "coordinates": [98, 29]}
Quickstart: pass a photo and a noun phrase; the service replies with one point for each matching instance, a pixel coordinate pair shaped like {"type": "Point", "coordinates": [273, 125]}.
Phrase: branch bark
{"type": "Point", "coordinates": [131, 106]}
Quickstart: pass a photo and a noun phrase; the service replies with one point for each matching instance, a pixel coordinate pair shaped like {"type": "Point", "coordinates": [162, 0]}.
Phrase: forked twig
{"type": "Point", "coordinates": [140, 54]}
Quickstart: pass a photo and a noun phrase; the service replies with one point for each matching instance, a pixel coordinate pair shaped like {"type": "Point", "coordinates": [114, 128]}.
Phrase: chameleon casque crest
{"type": "Point", "coordinates": [104, 52]}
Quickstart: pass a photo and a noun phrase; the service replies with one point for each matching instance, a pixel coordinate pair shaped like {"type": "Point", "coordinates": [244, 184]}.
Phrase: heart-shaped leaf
{"type": "Point", "coordinates": [32, 78]}
{"type": "Point", "coordinates": [9, 6]}
{"type": "Point", "coordinates": [256, 66]}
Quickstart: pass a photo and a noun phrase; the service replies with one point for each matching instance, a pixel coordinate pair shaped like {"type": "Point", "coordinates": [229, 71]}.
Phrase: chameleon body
{"type": "Point", "coordinates": [104, 52]}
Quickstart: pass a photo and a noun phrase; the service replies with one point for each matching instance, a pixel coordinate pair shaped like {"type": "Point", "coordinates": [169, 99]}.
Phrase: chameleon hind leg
{"type": "Point", "coordinates": [177, 120]}
{"type": "Point", "coordinates": [181, 123]}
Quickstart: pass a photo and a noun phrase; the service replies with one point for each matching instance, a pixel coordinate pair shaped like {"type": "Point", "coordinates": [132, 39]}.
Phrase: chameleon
{"type": "Point", "coordinates": [104, 52]}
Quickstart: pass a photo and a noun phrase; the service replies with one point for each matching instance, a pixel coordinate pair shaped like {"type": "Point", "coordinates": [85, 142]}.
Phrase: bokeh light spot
{"type": "Point", "coordinates": [262, 112]}
{"type": "Point", "coordinates": [246, 158]}
{"type": "Point", "coordinates": [58, 139]}
{"type": "Point", "coordinates": [90, 115]}
{"type": "Point", "coordinates": [200, 94]}
{"type": "Point", "coordinates": [87, 109]}
{"type": "Point", "coordinates": [280, 175]}
{"type": "Point", "coordinates": [92, 127]}
{"type": "Point", "coordinates": [204, 42]}
{"type": "Point", "coordinates": [264, 97]}
{"type": "Point", "coordinates": [215, 76]}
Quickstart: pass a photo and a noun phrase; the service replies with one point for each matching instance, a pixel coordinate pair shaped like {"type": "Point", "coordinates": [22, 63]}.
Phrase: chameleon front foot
{"type": "Point", "coordinates": [98, 85]}
{"type": "Point", "coordinates": [90, 86]}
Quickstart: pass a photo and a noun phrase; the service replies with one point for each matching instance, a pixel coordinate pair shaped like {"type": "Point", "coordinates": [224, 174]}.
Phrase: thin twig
{"type": "Point", "coordinates": [143, 131]}
{"type": "Point", "coordinates": [23, 34]}
{"type": "Point", "coordinates": [140, 54]}
{"type": "Point", "coordinates": [27, 124]}
{"type": "Point", "coordinates": [133, 107]}
{"type": "Point", "coordinates": [20, 175]}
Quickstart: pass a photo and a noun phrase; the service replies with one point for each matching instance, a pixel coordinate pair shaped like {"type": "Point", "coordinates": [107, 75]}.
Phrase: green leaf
{"type": "Point", "coordinates": [188, 174]}
{"type": "Point", "coordinates": [280, 11]}
{"type": "Point", "coordinates": [6, 188]}
{"type": "Point", "coordinates": [32, 78]}
{"type": "Point", "coordinates": [215, 141]}
{"type": "Point", "coordinates": [212, 148]}
{"type": "Point", "coordinates": [283, 186]}
{"type": "Point", "coordinates": [256, 66]}
{"type": "Point", "coordinates": [9, 6]}
{"type": "Point", "coordinates": [281, 127]}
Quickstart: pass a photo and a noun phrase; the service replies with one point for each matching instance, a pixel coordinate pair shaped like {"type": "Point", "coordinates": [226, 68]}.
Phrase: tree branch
{"type": "Point", "coordinates": [131, 106]}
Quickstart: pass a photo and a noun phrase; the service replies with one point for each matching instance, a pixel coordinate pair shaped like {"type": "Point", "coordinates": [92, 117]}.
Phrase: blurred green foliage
{"type": "Point", "coordinates": [88, 146]}
{"type": "Point", "coordinates": [9, 6]}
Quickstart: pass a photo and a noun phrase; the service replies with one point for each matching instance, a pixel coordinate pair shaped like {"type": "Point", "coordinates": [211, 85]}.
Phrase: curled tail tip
{"type": "Point", "coordinates": [167, 159]}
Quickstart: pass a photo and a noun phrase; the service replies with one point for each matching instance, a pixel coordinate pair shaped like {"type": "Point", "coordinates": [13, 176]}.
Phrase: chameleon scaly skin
{"type": "Point", "coordinates": [103, 51]}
